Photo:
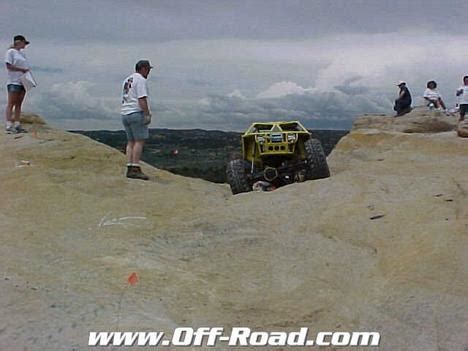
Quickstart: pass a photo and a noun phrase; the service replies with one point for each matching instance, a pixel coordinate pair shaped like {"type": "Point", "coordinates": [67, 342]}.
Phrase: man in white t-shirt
{"type": "Point", "coordinates": [462, 94]}
{"type": "Point", "coordinates": [136, 116]}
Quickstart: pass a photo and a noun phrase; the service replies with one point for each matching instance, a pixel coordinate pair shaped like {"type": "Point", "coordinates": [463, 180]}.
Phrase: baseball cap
{"type": "Point", "coordinates": [141, 64]}
{"type": "Point", "coordinates": [20, 38]}
{"type": "Point", "coordinates": [401, 82]}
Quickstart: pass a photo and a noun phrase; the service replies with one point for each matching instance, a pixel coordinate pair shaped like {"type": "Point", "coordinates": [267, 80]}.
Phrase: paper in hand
{"type": "Point", "coordinates": [28, 81]}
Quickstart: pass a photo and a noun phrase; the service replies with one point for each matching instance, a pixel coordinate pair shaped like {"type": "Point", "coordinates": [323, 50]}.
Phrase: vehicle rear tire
{"type": "Point", "coordinates": [236, 175]}
{"type": "Point", "coordinates": [317, 167]}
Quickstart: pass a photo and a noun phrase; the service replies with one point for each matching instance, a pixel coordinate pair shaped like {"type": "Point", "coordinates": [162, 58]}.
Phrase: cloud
{"type": "Point", "coordinates": [162, 21]}
{"type": "Point", "coordinates": [46, 69]}
{"type": "Point", "coordinates": [225, 84]}
{"type": "Point", "coordinates": [316, 108]}
{"type": "Point", "coordinates": [282, 101]}
{"type": "Point", "coordinates": [74, 100]}
{"type": "Point", "coordinates": [283, 89]}
{"type": "Point", "coordinates": [350, 88]}
{"type": "Point", "coordinates": [236, 93]}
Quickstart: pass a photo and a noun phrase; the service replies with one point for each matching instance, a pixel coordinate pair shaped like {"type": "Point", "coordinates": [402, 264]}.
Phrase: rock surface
{"type": "Point", "coordinates": [32, 119]}
{"type": "Point", "coordinates": [462, 129]}
{"type": "Point", "coordinates": [379, 246]}
{"type": "Point", "coordinates": [417, 121]}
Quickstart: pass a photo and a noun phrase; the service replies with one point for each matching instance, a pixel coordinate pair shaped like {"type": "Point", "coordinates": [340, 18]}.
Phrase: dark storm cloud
{"type": "Point", "coordinates": [46, 69]}
{"type": "Point", "coordinates": [149, 20]}
{"type": "Point", "coordinates": [349, 87]}
{"type": "Point", "coordinates": [222, 63]}
{"type": "Point", "coordinates": [316, 110]}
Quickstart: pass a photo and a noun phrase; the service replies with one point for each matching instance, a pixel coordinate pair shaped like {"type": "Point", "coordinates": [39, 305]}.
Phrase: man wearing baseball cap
{"type": "Point", "coordinates": [136, 116]}
{"type": "Point", "coordinates": [403, 103]}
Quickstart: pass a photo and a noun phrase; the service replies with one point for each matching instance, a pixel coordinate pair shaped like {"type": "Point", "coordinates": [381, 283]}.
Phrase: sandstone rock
{"type": "Point", "coordinates": [462, 129]}
{"type": "Point", "coordinates": [420, 120]}
{"type": "Point", "coordinates": [29, 118]}
{"type": "Point", "coordinates": [380, 245]}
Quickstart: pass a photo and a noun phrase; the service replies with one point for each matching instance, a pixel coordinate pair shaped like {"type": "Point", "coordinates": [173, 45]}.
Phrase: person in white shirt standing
{"type": "Point", "coordinates": [433, 97]}
{"type": "Point", "coordinates": [462, 94]}
{"type": "Point", "coordinates": [16, 65]}
{"type": "Point", "coordinates": [136, 116]}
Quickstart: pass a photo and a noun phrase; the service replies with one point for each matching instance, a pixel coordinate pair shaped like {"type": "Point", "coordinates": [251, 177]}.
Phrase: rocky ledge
{"type": "Point", "coordinates": [381, 245]}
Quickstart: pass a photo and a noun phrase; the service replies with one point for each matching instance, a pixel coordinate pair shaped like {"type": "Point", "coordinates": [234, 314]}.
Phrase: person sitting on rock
{"type": "Point", "coordinates": [433, 97]}
{"type": "Point", "coordinates": [403, 103]}
{"type": "Point", "coordinates": [462, 94]}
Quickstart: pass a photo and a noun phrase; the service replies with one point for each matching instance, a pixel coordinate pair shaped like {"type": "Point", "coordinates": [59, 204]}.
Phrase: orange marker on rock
{"type": "Point", "coordinates": [132, 279]}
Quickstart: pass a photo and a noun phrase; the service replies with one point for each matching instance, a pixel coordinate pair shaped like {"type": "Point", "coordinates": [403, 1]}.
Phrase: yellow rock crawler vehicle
{"type": "Point", "coordinates": [279, 153]}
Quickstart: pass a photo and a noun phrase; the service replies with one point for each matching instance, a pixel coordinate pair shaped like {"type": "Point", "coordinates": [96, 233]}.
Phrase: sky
{"type": "Point", "coordinates": [223, 64]}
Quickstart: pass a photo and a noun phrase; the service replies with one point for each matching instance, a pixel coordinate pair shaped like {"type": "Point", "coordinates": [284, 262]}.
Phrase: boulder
{"type": "Point", "coordinates": [419, 120]}
{"type": "Point", "coordinates": [462, 129]}
{"type": "Point", "coordinates": [29, 118]}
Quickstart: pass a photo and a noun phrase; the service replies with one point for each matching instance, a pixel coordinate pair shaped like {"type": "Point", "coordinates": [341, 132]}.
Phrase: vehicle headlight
{"type": "Point", "coordinates": [292, 137]}
{"type": "Point", "coordinates": [260, 139]}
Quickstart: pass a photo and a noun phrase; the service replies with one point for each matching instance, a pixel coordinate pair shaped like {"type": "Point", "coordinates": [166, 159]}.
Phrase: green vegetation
{"type": "Point", "coordinates": [201, 153]}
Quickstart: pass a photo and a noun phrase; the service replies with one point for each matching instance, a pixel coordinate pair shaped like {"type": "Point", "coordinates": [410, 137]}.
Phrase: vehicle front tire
{"type": "Point", "coordinates": [236, 176]}
{"type": "Point", "coordinates": [317, 167]}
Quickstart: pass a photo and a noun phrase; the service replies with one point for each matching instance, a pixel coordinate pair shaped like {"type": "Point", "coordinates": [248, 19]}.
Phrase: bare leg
{"type": "Point", "coordinates": [137, 151]}
{"type": "Point", "coordinates": [129, 151]}
{"type": "Point", "coordinates": [19, 102]}
{"type": "Point", "coordinates": [442, 104]}
{"type": "Point", "coordinates": [12, 98]}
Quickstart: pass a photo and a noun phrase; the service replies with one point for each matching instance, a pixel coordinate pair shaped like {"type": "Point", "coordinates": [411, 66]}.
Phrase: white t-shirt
{"type": "Point", "coordinates": [133, 88]}
{"type": "Point", "coordinates": [463, 98]}
{"type": "Point", "coordinates": [432, 94]}
{"type": "Point", "coordinates": [16, 58]}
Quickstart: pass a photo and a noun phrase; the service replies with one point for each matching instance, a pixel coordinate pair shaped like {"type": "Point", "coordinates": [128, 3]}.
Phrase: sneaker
{"type": "Point", "coordinates": [134, 172]}
{"type": "Point", "coordinates": [20, 129]}
{"type": "Point", "coordinates": [10, 130]}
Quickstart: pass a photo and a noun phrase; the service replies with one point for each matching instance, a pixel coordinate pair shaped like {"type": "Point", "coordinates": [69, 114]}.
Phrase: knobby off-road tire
{"type": "Point", "coordinates": [236, 175]}
{"type": "Point", "coordinates": [317, 166]}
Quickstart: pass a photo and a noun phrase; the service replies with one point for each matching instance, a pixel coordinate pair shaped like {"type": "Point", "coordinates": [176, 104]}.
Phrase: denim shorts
{"type": "Point", "coordinates": [15, 88]}
{"type": "Point", "coordinates": [134, 124]}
